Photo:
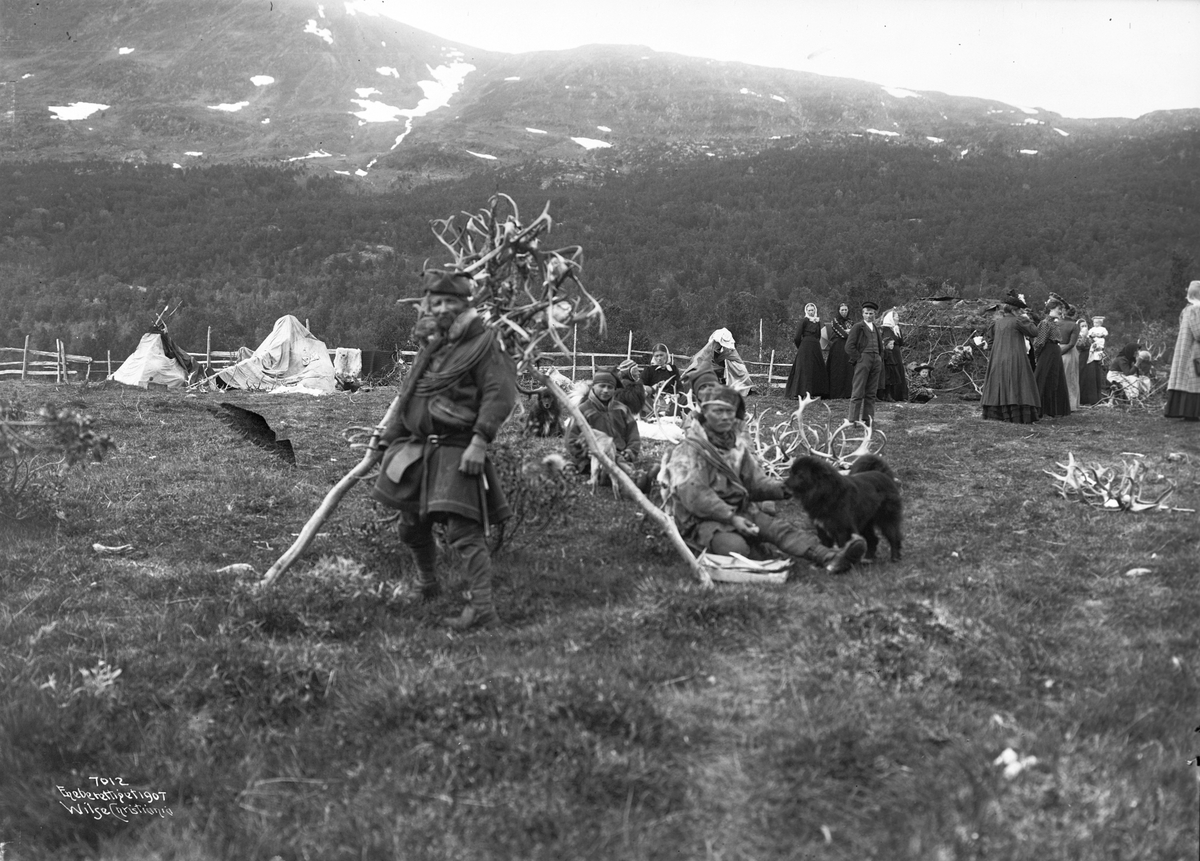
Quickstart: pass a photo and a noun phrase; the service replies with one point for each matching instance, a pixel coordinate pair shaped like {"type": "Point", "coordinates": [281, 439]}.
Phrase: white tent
{"type": "Point", "coordinates": [150, 364]}
{"type": "Point", "coordinates": [290, 359]}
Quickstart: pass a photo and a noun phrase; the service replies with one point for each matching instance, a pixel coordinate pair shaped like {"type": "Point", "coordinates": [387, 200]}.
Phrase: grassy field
{"type": "Point", "coordinates": [620, 712]}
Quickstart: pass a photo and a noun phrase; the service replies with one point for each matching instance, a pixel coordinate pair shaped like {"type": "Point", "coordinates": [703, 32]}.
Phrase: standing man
{"type": "Point", "coordinates": [461, 390]}
{"type": "Point", "coordinates": [864, 349]}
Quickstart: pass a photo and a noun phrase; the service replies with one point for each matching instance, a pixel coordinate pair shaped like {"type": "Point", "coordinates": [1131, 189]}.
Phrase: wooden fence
{"type": "Point", "coordinates": [24, 363]}
{"type": "Point", "coordinates": [63, 367]}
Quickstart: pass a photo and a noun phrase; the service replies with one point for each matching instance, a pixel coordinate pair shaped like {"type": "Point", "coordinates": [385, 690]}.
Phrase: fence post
{"type": "Point", "coordinates": [109, 364]}
{"type": "Point", "coordinates": [62, 360]}
{"type": "Point", "coordinates": [574, 351]}
{"type": "Point", "coordinates": [629, 349]}
{"type": "Point", "coordinates": [760, 344]}
{"type": "Point", "coordinates": [208, 350]}
{"type": "Point", "coordinates": [770, 371]}
{"type": "Point", "coordinates": [25, 358]}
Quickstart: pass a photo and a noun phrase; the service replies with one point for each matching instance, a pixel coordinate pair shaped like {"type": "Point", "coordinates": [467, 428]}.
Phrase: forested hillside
{"type": "Point", "coordinates": [89, 252]}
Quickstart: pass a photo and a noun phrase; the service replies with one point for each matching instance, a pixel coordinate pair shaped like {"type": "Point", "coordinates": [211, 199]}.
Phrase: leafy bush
{"type": "Point", "coordinates": [41, 447]}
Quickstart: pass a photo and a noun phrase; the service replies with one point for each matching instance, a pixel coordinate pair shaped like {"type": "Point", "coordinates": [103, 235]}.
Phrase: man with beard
{"type": "Point", "coordinates": [436, 468]}
{"type": "Point", "coordinates": [715, 484]}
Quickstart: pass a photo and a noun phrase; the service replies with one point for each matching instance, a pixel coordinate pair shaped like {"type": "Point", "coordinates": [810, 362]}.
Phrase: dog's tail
{"type": "Point", "coordinates": [872, 463]}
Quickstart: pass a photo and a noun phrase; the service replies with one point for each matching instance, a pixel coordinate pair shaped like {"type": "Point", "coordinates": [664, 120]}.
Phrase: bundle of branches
{"type": "Point", "coordinates": [1110, 489]}
{"type": "Point", "coordinates": [527, 296]}
{"type": "Point", "coordinates": [49, 440]}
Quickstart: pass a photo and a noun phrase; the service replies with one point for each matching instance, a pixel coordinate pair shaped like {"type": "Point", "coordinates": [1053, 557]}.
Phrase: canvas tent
{"type": "Point", "coordinates": [156, 360]}
{"type": "Point", "coordinates": [290, 359]}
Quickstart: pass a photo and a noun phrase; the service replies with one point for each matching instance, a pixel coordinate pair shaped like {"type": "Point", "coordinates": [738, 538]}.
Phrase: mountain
{"type": "Point", "coordinates": [363, 95]}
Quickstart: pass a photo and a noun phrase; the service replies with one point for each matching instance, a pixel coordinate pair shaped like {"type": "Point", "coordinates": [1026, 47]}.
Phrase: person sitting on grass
{"type": "Point", "coordinates": [1125, 377]}
{"type": "Point", "coordinates": [714, 487]}
{"type": "Point", "coordinates": [630, 390]}
{"type": "Point", "coordinates": [605, 414]}
{"type": "Point", "coordinates": [662, 378]}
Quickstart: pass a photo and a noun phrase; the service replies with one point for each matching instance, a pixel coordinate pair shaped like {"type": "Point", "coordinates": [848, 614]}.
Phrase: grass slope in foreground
{"type": "Point", "coordinates": [620, 712]}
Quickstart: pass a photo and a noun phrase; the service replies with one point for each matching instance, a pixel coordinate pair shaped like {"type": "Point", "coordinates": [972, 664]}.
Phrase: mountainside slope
{"type": "Point", "coordinates": [286, 80]}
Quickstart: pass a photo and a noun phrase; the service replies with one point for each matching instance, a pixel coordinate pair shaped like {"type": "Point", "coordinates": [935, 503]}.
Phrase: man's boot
{"type": "Point", "coordinates": [473, 618]}
{"type": "Point", "coordinates": [839, 561]}
{"type": "Point", "coordinates": [430, 588]}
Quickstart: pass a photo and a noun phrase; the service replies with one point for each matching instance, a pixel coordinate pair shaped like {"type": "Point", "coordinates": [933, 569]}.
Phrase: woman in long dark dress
{"type": "Point", "coordinates": [1009, 392]}
{"type": "Point", "coordinates": [895, 382]}
{"type": "Point", "coordinates": [838, 367]}
{"type": "Point", "coordinates": [808, 375]}
{"type": "Point", "coordinates": [1183, 386]}
{"type": "Point", "coordinates": [1068, 334]}
{"type": "Point", "coordinates": [1048, 372]}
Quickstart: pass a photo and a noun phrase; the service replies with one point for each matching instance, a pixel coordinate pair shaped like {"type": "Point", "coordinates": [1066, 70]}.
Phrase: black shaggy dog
{"type": "Point", "coordinates": [840, 505]}
{"type": "Point", "coordinates": [545, 415]}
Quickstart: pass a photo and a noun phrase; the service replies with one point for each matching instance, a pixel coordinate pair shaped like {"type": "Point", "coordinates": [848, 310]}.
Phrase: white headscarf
{"type": "Point", "coordinates": [723, 337]}
{"type": "Point", "coordinates": [813, 315]}
{"type": "Point", "coordinates": [1193, 294]}
{"type": "Point", "coordinates": [889, 321]}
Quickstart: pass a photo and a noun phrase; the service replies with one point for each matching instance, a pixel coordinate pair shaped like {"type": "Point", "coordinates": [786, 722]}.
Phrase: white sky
{"type": "Point", "coordinates": [1080, 58]}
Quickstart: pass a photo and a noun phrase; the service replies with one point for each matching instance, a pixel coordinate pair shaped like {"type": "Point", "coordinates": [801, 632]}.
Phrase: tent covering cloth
{"type": "Point", "coordinates": [290, 358]}
{"type": "Point", "coordinates": [150, 363]}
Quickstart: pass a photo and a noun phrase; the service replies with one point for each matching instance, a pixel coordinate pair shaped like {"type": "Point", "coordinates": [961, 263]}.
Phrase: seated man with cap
{"type": "Point", "coordinates": [714, 487]}
{"type": "Point", "coordinates": [606, 414]}
{"type": "Point", "coordinates": [460, 390]}
{"type": "Point", "coordinates": [864, 349]}
{"type": "Point", "coordinates": [630, 390]}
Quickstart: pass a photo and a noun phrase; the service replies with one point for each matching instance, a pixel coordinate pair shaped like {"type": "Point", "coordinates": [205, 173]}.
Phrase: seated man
{"type": "Point", "coordinates": [714, 484]}
{"type": "Point", "coordinates": [630, 390]}
{"type": "Point", "coordinates": [609, 416]}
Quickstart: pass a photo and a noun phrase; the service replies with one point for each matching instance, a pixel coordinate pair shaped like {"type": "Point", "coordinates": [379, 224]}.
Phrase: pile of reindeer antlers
{"type": "Point", "coordinates": [1107, 488]}
{"type": "Point", "coordinates": [776, 445]}
{"type": "Point", "coordinates": [524, 293]}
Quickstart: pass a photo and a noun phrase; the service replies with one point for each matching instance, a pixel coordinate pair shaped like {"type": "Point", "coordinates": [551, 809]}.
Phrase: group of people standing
{"type": "Point", "coordinates": [830, 359]}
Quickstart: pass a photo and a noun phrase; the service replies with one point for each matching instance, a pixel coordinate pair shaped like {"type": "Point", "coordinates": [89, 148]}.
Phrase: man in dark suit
{"type": "Point", "coordinates": [864, 349]}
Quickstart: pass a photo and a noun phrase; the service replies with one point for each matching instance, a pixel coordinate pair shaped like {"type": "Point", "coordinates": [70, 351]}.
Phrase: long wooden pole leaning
{"type": "Point", "coordinates": [665, 521]}
{"type": "Point", "coordinates": [364, 466]}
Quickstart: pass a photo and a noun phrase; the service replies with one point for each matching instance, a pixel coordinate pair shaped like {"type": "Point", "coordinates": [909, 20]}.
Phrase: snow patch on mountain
{"type": "Point", "coordinates": [535, 131]}
{"type": "Point", "coordinates": [447, 79]}
{"type": "Point", "coordinates": [262, 80]}
{"type": "Point", "coordinates": [322, 32]}
{"type": "Point", "coordinates": [882, 132]}
{"type": "Point", "coordinates": [901, 93]}
{"type": "Point", "coordinates": [76, 110]}
{"type": "Point", "coordinates": [513, 78]}
{"type": "Point", "coordinates": [1027, 110]}
{"type": "Point", "coordinates": [1061, 132]}
{"type": "Point", "coordinates": [604, 128]}
{"type": "Point", "coordinates": [388, 70]}
{"type": "Point", "coordinates": [934, 140]}
{"type": "Point", "coordinates": [1029, 152]}
{"type": "Point", "coordinates": [482, 155]}
{"type": "Point", "coordinates": [1030, 121]}
{"type": "Point", "coordinates": [778, 98]}
{"type": "Point", "coordinates": [124, 51]}
{"type": "Point", "coordinates": [591, 143]}
{"type": "Point", "coordinates": [318, 154]}
{"type": "Point", "coordinates": [230, 107]}
{"type": "Point", "coordinates": [194, 154]}
{"type": "Point", "coordinates": [363, 92]}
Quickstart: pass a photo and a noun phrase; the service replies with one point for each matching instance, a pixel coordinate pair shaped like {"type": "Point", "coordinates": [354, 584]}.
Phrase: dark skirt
{"type": "Point", "coordinates": [808, 376]}
{"type": "Point", "coordinates": [841, 372]}
{"type": "Point", "coordinates": [1091, 383]}
{"type": "Point", "coordinates": [1182, 405]}
{"type": "Point", "coordinates": [1021, 414]}
{"type": "Point", "coordinates": [1051, 381]}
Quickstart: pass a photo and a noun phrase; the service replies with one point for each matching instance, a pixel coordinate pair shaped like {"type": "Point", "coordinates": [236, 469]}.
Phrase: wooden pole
{"type": "Point", "coordinates": [760, 344]}
{"type": "Point", "coordinates": [628, 488]}
{"type": "Point", "coordinates": [593, 364]}
{"type": "Point", "coordinates": [25, 358]}
{"type": "Point", "coordinates": [770, 371]}
{"type": "Point", "coordinates": [57, 360]}
{"type": "Point", "coordinates": [62, 354]}
{"type": "Point", "coordinates": [109, 363]}
{"type": "Point", "coordinates": [629, 349]}
{"type": "Point", "coordinates": [574, 351]}
{"type": "Point", "coordinates": [208, 351]}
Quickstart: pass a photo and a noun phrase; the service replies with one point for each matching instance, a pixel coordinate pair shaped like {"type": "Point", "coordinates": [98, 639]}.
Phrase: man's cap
{"type": "Point", "coordinates": [439, 283]}
{"type": "Point", "coordinates": [723, 396]}
{"type": "Point", "coordinates": [605, 375]}
{"type": "Point", "coordinates": [703, 376]}
{"type": "Point", "coordinates": [870, 306]}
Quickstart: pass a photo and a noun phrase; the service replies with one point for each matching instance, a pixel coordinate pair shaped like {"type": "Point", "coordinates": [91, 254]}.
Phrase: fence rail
{"type": "Point", "coordinates": [64, 367]}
